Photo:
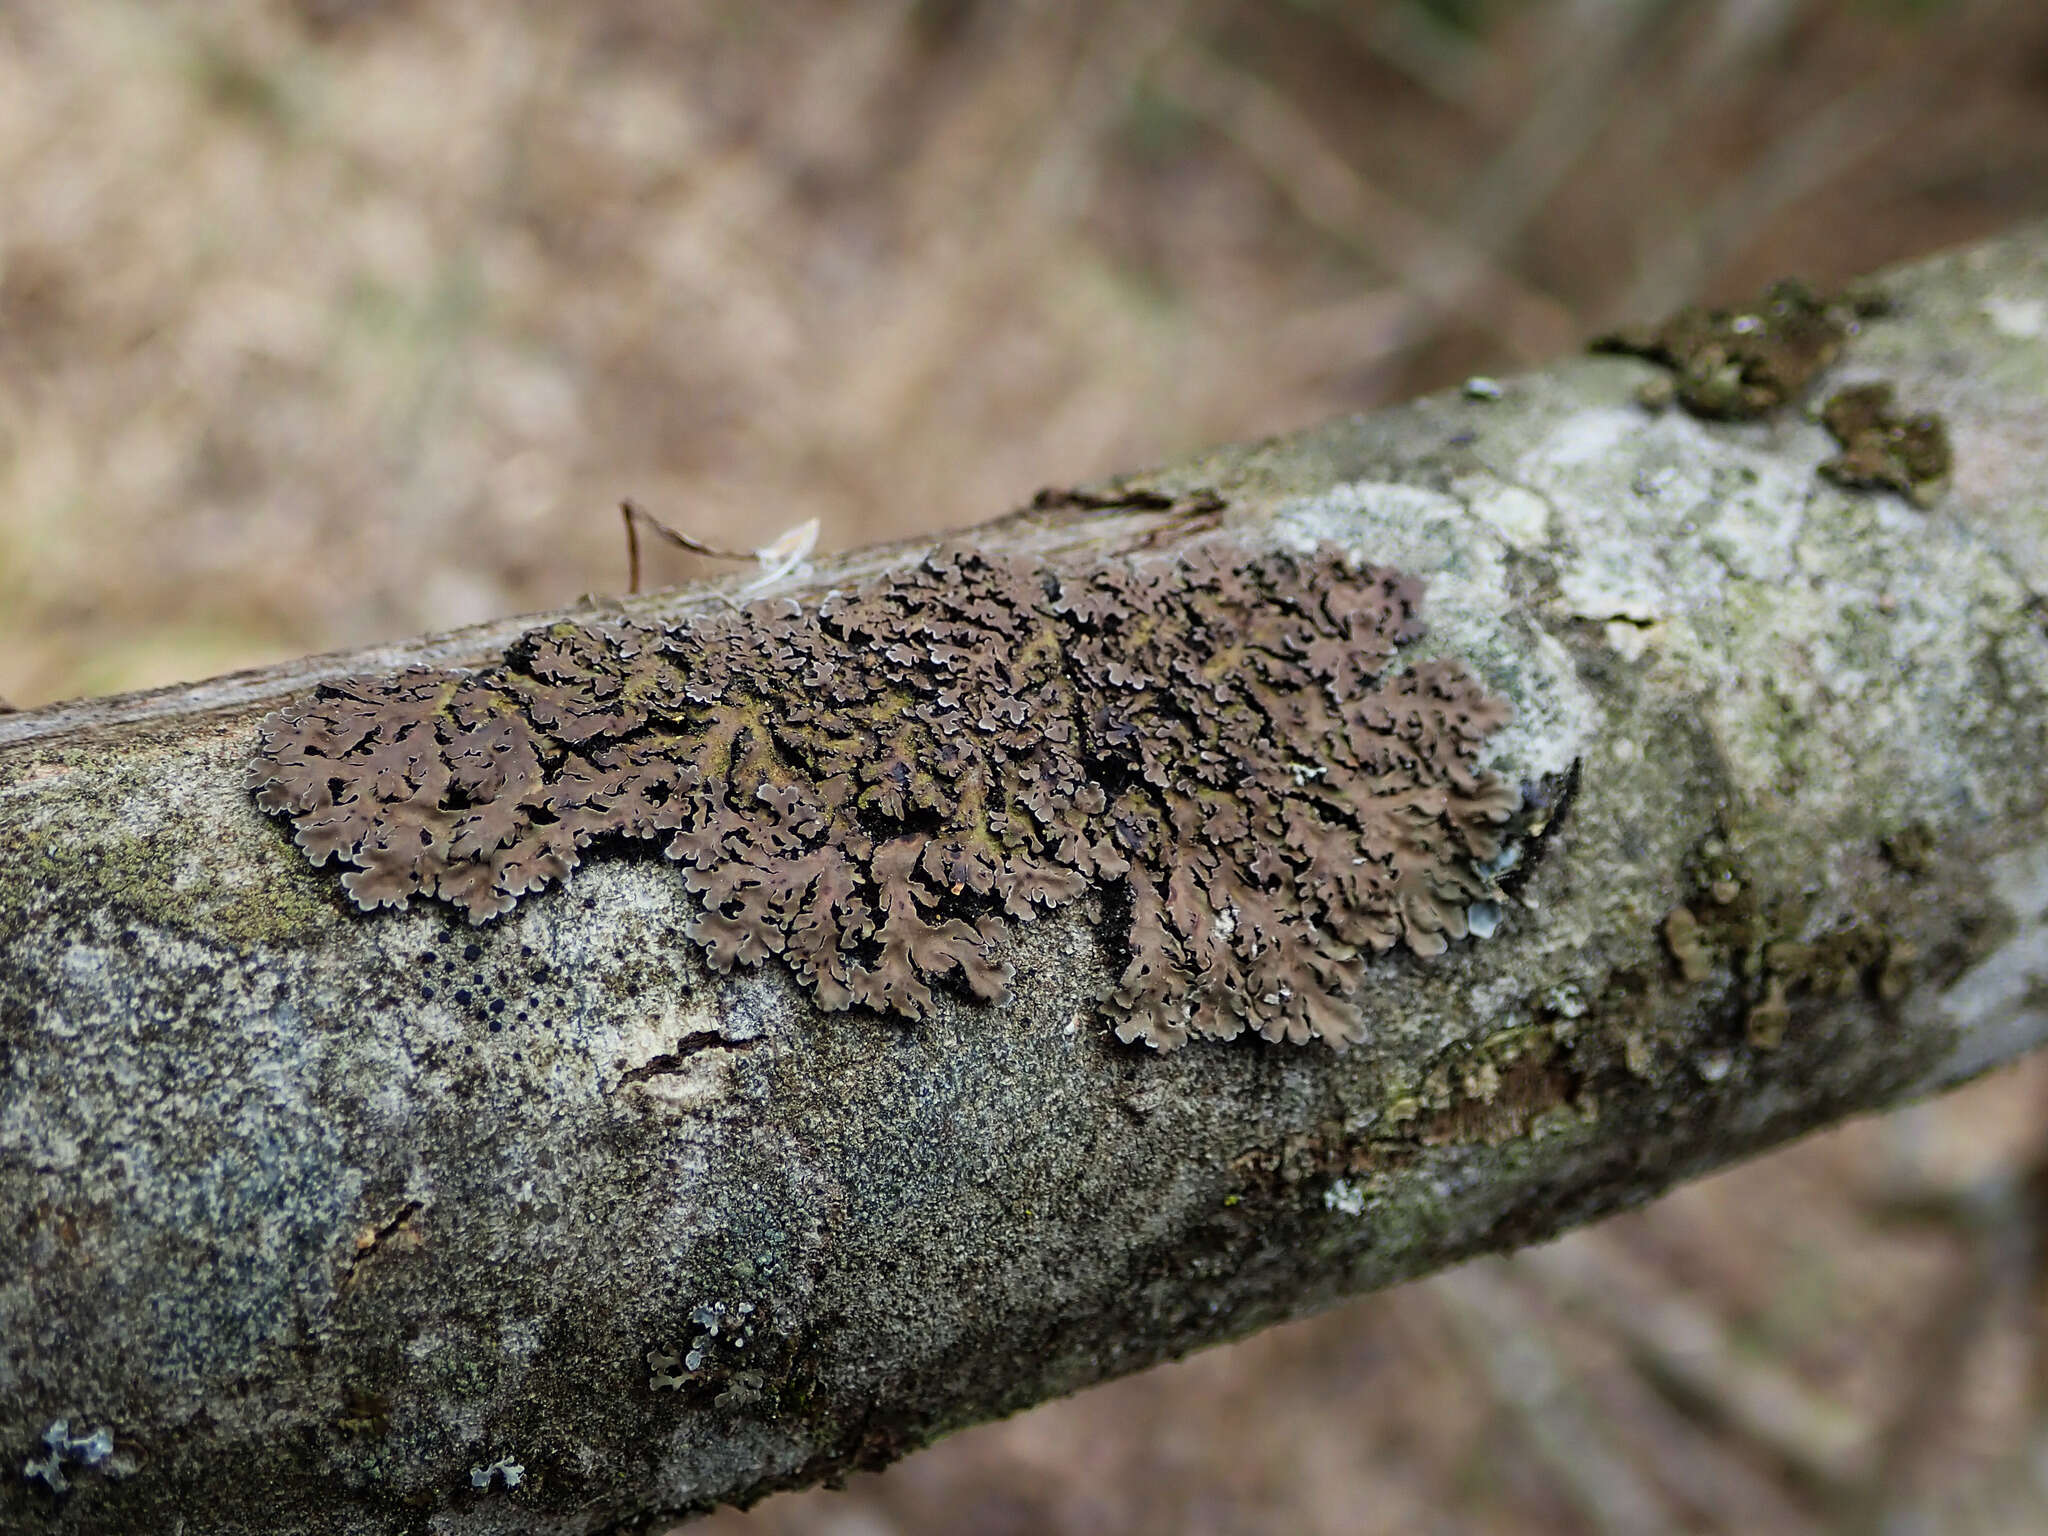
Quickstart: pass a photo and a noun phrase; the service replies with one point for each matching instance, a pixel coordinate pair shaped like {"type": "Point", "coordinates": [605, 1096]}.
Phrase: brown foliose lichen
{"type": "Point", "coordinates": [870, 785]}
{"type": "Point", "coordinates": [1734, 365]}
{"type": "Point", "coordinates": [1883, 449]}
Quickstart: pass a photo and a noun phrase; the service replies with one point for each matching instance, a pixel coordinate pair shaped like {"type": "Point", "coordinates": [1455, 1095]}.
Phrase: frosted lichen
{"type": "Point", "coordinates": [872, 786]}
{"type": "Point", "coordinates": [511, 1471]}
{"type": "Point", "coordinates": [1344, 1197]}
{"type": "Point", "coordinates": [61, 1446]}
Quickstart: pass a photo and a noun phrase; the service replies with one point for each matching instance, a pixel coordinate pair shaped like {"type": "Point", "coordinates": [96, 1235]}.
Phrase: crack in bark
{"type": "Point", "coordinates": [368, 1244]}
{"type": "Point", "coordinates": [694, 1043]}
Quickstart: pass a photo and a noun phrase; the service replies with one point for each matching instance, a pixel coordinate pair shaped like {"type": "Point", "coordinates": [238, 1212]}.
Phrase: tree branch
{"type": "Point", "coordinates": [347, 1222]}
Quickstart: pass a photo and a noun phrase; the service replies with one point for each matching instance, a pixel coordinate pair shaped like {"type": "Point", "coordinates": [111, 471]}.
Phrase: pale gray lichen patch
{"type": "Point", "coordinates": [873, 786]}
{"type": "Point", "coordinates": [1593, 434]}
{"type": "Point", "coordinates": [2020, 318]}
{"type": "Point", "coordinates": [1682, 509]}
{"type": "Point", "coordinates": [1519, 515]}
{"type": "Point", "coordinates": [1786, 611]}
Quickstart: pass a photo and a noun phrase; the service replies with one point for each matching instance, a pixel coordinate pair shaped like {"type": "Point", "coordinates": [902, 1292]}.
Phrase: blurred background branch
{"type": "Point", "coordinates": [327, 321]}
{"type": "Point", "coordinates": [324, 321]}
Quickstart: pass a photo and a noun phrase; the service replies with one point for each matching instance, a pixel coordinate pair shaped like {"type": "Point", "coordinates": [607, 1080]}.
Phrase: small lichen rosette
{"type": "Point", "coordinates": [873, 786]}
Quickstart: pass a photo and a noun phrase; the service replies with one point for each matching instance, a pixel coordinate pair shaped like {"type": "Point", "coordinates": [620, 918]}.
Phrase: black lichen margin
{"type": "Point", "coordinates": [869, 786]}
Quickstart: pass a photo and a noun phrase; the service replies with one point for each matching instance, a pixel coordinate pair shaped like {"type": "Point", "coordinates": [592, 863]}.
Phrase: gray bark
{"type": "Point", "coordinates": [319, 1244]}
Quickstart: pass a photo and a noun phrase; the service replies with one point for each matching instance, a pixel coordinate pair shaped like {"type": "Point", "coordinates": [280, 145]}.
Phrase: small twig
{"type": "Point", "coordinates": [635, 514]}
{"type": "Point", "coordinates": [777, 559]}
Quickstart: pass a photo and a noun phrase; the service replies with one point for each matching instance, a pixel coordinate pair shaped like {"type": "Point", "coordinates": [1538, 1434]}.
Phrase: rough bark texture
{"type": "Point", "coordinates": [346, 1222]}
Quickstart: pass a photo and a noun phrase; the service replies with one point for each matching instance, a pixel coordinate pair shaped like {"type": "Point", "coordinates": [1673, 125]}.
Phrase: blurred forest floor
{"type": "Point", "coordinates": [329, 321]}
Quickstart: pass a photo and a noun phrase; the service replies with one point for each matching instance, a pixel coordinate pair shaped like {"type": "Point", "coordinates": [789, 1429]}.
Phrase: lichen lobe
{"type": "Point", "coordinates": [873, 787]}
